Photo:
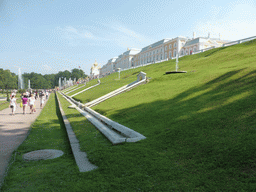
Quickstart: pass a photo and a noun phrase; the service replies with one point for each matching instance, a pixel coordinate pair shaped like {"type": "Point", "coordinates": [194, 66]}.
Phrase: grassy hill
{"type": "Point", "coordinates": [200, 126]}
{"type": "Point", "coordinates": [200, 129]}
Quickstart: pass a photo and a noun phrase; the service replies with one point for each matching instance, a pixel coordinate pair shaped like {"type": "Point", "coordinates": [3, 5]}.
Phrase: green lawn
{"type": "Point", "coordinates": [73, 87]}
{"type": "Point", "coordinates": [200, 129]}
{"type": "Point", "coordinates": [107, 84]}
{"type": "Point", "coordinates": [82, 87]}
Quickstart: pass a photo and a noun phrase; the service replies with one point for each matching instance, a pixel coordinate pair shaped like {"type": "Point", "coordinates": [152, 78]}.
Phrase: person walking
{"type": "Point", "coordinates": [31, 102]}
{"type": "Point", "coordinates": [13, 104]}
{"type": "Point", "coordinates": [41, 96]}
{"type": "Point", "coordinates": [24, 103]}
{"type": "Point", "coordinates": [47, 93]}
{"type": "Point", "coordinates": [36, 95]}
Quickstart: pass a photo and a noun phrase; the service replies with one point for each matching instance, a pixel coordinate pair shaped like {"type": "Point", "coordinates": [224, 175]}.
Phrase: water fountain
{"type": "Point", "coordinates": [20, 81]}
{"type": "Point", "coordinates": [29, 84]}
{"type": "Point", "coordinates": [59, 82]}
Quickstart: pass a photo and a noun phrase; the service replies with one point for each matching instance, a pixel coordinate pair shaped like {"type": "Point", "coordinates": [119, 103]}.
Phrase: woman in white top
{"type": "Point", "coordinates": [31, 102]}
{"type": "Point", "coordinates": [13, 104]}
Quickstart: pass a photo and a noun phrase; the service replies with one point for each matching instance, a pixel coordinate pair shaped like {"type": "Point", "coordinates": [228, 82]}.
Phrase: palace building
{"type": "Point", "coordinates": [162, 50]}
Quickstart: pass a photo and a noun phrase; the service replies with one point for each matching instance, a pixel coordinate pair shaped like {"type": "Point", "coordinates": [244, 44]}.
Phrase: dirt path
{"type": "Point", "coordinates": [13, 131]}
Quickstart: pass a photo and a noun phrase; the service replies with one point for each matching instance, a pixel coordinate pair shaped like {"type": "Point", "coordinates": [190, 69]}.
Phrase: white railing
{"type": "Point", "coordinates": [202, 50]}
{"type": "Point", "coordinates": [238, 41]}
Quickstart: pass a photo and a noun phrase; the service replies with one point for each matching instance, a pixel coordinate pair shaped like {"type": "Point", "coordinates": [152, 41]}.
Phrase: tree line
{"type": "Point", "coordinates": [9, 80]}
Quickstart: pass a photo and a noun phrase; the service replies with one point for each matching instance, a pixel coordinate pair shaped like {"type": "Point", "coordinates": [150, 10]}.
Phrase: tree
{"type": "Point", "coordinates": [51, 80]}
{"type": "Point", "coordinates": [8, 80]}
{"type": "Point", "coordinates": [77, 73]}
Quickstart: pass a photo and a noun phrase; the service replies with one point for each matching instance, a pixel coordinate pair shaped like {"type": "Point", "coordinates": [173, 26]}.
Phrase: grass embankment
{"type": "Point", "coordinates": [80, 88]}
{"type": "Point", "coordinates": [108, 84]}
{"type": "Point", "coordinates": [200, 126]}
{"type": "Point", "coordinates": [73, 87]}
{"type": "Point", "coordinates": [200, 129]}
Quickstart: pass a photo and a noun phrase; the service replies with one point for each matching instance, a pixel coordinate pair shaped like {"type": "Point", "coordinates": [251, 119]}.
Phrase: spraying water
{"type": "Point", "coordinates": [29, 83]}
{"type": "Point", "coordinates": [20, 81]}
{"type": "Point", "coordinates": [59, 82]}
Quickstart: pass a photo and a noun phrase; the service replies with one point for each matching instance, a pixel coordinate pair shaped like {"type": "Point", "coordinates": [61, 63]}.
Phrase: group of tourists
{"type": "Point", "coordinates": [28, 100]}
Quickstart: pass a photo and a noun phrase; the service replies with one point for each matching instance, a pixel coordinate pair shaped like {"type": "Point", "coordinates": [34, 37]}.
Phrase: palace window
{"type": "Point", "coordinates": [170, 54]}
{"type": "Point", "coordinates": [174, 53]}
{"type": "Point", "coordinates": [182, 52]}
{"type": "Point", "coordinates": [170, 46]}
{"type": "Point", "coordinates": [175, 44]}
{"type": "Point", "coordinates": [165, 48]}
{"type": "Point", "coordinates": [165, 55]}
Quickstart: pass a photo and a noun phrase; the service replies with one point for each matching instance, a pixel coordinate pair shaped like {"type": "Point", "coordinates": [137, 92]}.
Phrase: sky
{"type": "Point", "coordinates": [48, 36]}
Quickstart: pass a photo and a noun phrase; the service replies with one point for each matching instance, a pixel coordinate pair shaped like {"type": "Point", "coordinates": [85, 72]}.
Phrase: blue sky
{"type": "Point", "coordinates": [47, 36]}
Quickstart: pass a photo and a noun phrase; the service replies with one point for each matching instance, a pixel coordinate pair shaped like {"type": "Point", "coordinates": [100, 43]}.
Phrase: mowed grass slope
{"type": "Point", "coordinates": [200, 126]}
{"type": "Point", "coordinates": [107, 84]}
{"type": "Point", "coordinates": [201, 122]}
{"type": "Point", "coordinates": [81, 87]}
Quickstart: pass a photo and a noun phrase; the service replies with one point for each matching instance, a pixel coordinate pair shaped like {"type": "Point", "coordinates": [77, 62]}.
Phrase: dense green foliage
{"type": "Point", "coordinates": [9, 80]}
{"type": "Point", "coordinates": [39, 81]}
{"type": "Point", "coordinates": [200, 129]}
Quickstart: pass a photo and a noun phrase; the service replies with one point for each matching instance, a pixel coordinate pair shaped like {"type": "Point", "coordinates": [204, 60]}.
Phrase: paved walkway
{"type": "Point", "coordinates": [13, 131]}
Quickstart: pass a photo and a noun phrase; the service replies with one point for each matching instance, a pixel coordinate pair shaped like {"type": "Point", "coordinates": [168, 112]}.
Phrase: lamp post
{"type": "Point", "coordinates": [177, 61]}
{"type": "Point", "coordinates": [177, 56]}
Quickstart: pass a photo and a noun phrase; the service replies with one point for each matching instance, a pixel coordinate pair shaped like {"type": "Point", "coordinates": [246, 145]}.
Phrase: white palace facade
{"type": "Point", "coordinates": [162, 50]}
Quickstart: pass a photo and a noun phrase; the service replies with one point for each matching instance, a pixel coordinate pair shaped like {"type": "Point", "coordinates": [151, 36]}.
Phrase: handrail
{"type": "Point", "coordinates": [239, 41]}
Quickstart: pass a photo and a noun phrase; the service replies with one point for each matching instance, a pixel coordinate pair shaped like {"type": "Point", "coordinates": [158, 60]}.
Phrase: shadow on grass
{"type": "Point", "coordinates": [213, 125]}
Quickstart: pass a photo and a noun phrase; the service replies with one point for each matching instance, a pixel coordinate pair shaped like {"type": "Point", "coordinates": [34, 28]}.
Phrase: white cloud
{"type": "Point", "coordinates": [236, 21]}
{"type": "Point", "coordinates": [74, 36]}
{"type": "Point", "coordinates": [103, 35]}
{"type": "Point", "coordinates": [125, 37]}
{"type": "Point", "coordinates": [46, 68]}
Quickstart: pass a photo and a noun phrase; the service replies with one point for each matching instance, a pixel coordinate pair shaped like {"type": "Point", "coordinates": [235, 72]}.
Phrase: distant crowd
{"type": "Point", "coordinates": [28, 100]}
